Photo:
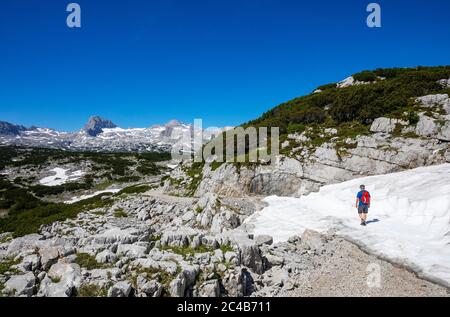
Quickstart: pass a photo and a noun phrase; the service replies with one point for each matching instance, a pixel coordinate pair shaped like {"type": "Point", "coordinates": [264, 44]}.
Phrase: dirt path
{"type": "Point", "coordinates": [348, 271]}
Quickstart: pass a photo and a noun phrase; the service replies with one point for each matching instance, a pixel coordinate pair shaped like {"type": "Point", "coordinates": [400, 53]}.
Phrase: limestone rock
{"type": "Point", "coordinates": [313, 239]}
{"type": "Point", "coordinates": [177, 286]}
{"type": "Point", "coordinates": [49, 256]}
{"type": "Point", "coordinates": [426, 127]}
{"type": "Point", "coordinates": [20, 285]}
{"type": "Point", "coordinates": [132, 251]}
{"type": "Point", "coordinates": [263, 239]}
{"type": "Point", "coordinates": [445, 83]}
{"type": "Point", "coordinates": [30, 263]}
{"type": "Point", "coordinates": [444, 132]}
{"type": "Point", "coordinates": [120, 289]}
{"type": "Point", "coordinates": [209, 288]}
{"type": "Point", "coordinates": [113, 235]}
{"type": "Point", "coordinates": [149, 288]}
{"type": "Point", "coordinates": [432, 100]}
{"type": "Point", "coordinates": [61, 280]}
{"type": "Point", "coordinates": [385, 125]}
{"type": "Point", "coordinates": [106, 256]}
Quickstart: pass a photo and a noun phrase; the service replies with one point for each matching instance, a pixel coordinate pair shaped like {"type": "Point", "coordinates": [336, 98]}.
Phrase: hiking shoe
{"type": "Point", "coordinates": [363, 223]}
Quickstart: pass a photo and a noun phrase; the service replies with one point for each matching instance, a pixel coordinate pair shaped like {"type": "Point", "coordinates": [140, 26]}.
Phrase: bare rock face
{"type": "Point", "coordinates": [146, 288]}
{"type": "Point", "coordinates": [96, 125]}
{"type": "Point", "coordinates": [430, 101]}
{"type": "Point", "coordinates": [7, 128]}
{"type": "Point", "coordinates": [21, 285]}
{"type": "Point", "coordinates": [444, 132]}
{"type": "Point", "coordinates": [386, 125]}
{"type": "Point", "coordinates": [374, 154]}
{"type": "Point", "coordinates": [49, 256]}
{"type": "Point", "coordinates": [120, 289]}
{"type": "Point", "coordinates": [426, 127]}
{"type": "Point", "coordinates": [393, 146]}
{"type": "Point", "coordinates": [61, 280]}
{"type": "Point", "coordinates": [209, 289]}
{"type": "Point", "coordinates": [445, 83]}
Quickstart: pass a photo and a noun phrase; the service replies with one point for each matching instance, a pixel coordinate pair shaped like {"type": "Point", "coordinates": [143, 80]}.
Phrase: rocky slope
{"type": "Point", "coordinates": [153, 245]}
{"type": "Point", "coordinates": [319, 156]}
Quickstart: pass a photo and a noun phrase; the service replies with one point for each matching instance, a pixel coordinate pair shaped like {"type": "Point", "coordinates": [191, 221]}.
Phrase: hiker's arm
{"type": "Point", "coordinates": [357, 202]}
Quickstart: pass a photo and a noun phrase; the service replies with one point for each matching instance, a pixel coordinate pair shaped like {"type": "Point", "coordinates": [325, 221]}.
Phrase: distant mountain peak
{"type": "Point", "coordinates": [173, 123]}
{"type": "Point", "coordinates": [7, 128]}
{"type": "Point", "coordinates": [96, 124]}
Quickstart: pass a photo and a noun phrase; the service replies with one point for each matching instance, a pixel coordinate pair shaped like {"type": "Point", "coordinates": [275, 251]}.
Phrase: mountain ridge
{"type": "Point", "coordinates": [100, 134]}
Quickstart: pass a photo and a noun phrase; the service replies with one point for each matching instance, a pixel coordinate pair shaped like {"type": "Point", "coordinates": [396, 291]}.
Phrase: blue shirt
{"type": "Point", "coordinates": [359, 196]}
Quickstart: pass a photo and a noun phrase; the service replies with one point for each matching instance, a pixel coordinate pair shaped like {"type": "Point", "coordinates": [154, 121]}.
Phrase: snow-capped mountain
{"type": "Point", "coordinates": [103, 135]}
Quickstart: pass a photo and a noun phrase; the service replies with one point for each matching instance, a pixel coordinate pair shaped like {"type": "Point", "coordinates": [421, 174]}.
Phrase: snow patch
{"type": "Point", "coordinates": [83, 197]}
{"type": "Point", "coordinates": [409, 219]}
{"type": "Point", "coordinates": [61, 177]}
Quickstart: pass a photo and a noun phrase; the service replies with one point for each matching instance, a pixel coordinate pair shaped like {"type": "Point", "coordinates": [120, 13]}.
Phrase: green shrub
{"type": "Point", "coordinates": [41, 190]}
{"type": "Point", "coordinates": [120, 213]}
{"type": "Point", "coordinates": [6, 265]}
{"type": "Point", "coordinates": [226, 248]}
{"type": "Point", "coordinates": [308, 116]}
{"type": "Point", "coordinates": [88, 261]}
{"type": "Point", "coordinates": [25, 217]}
{"type": "Point", "coordinates": [92, 290]}
{"type": "Point", "coordinates": [362, 103]}
{"type": "Point", "coordinates": [327, 87]}
{"type": "Point", "coordinates": [149, 169]}
{"type": "Point", "coordinates": [365, 76]}
{"type": "Point", "coordinates": [215, 165]}
{"type": "Point", "coordinates": [137, 189]}
{"type": "Point", "coordinates": [128, 179]}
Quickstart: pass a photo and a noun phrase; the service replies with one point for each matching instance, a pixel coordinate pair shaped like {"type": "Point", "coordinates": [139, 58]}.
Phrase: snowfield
{"type": "Point", "coordinates": [61, 177]}
{"type": "Point", "coordinates": [83, 197]}
{"type": "Point", "coordinates": [409, 219]}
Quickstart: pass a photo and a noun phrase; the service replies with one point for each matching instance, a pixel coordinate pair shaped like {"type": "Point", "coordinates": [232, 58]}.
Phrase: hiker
{"type": "Point", "coordinates": [363, 204]}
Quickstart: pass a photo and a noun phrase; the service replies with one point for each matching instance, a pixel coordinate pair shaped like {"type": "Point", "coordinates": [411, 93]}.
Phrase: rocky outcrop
{"type": "Point", "coordinates": [156, 250]}
{"type": "Point", "coordinates": [394, 145]}
{"type": "Point", "coordinates": [20, 285]}
{"type": "Point", "coordinates": [95, 125]}
{"type": "Point", "coordinates": [372, 155]}
{"type": "Point", "coordinates": [167, 254]}
{"type": "Point", "coordinates": [445, 83]}
{"type": "Point", "coordinates": [386, 125]}
{"type": "Point", "coordinates": [9, 129]}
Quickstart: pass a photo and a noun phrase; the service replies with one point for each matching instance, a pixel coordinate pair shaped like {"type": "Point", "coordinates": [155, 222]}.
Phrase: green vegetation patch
{"type": "Point", "coordinates": [362, 103]}
{"type": "Point", "coordinates": [365, 76]}
{"type": "Point", "coordinates": [89, 262]}
{"type": "Point", "coordinates": [92, 290]}
{"type": "Point", "coordinates": [6, 265]}
{"type": "Point", "coordinates": [120, 213]}
{"type": "Point", "coordinates": [137, 189]}
{"type": "Point", "coordinates": [195, 173]}
{"type": "Point", "coordinates": [27, 213]}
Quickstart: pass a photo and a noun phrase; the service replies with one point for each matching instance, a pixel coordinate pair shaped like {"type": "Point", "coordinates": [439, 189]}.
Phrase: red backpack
{"type": "Point", "coordinates": [365, 198]}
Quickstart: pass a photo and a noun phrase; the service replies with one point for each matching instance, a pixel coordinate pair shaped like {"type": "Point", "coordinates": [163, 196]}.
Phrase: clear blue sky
{"type": "Point", "coordinates": [140, 62]}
